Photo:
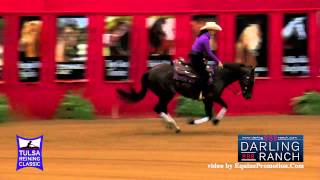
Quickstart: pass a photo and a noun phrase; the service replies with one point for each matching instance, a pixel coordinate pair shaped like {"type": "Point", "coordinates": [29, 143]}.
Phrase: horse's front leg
{"type": "Point", "coordinates": [222, 111]}
{"type": "Point", "coordinates": [208, 108]}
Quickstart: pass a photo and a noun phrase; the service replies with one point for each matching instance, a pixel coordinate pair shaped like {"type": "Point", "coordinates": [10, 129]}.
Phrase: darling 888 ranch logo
{"type": "Point", "coordinates": [29, 152]}
{"type": "Point", "coordinates": [270, 148]}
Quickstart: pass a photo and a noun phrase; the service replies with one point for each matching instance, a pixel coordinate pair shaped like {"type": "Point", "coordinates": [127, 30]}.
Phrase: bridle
{"type": "Point", "coordinates": [235, 89]}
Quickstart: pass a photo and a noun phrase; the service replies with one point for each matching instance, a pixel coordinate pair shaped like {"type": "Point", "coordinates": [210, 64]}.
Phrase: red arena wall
{"type": "Point", "coordinates": [272, 92]}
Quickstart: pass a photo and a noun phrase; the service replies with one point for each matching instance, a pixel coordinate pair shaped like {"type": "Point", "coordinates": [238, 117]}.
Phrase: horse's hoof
{"type": "Point", "coordinates": [215, 122]}
{"type": "Point", "coordinates": [178, 131]}
{"type": "Point", "coordinates": [191, 121]}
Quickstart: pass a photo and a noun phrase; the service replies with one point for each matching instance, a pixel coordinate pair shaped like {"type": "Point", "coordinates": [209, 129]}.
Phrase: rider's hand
{"type": "Point", "coordinates": [220, 65]}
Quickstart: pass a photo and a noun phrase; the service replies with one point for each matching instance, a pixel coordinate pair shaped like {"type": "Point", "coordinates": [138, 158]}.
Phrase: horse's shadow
{"type": "Point", "coordinates": [184, 133]}
{"type": "Point", "coordinates": [215, 131]}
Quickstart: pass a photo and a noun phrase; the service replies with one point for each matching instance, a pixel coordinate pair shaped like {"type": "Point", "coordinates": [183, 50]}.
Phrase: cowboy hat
{"type": "Point", "coordinates": [211, 26]}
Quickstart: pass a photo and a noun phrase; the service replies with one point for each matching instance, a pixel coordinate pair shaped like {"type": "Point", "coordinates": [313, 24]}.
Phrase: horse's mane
{"type": "Point", "coordinates": [233, 69]}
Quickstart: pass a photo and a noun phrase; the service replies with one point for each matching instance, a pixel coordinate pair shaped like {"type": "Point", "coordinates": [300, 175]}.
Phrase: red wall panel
{"type": "Point", "coordinates": [41, 99]}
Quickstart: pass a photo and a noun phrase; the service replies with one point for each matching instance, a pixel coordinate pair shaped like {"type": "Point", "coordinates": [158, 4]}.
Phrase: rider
{"type": "Point", "coordinates": [201, 49]}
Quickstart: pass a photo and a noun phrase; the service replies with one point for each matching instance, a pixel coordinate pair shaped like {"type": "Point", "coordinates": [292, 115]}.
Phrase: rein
{"type": "Point", "coordinates": [235, 90]}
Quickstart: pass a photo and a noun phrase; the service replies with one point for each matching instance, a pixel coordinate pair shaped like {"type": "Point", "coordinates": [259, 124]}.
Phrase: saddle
{"type": "Point", "coordinates": [184, 72]}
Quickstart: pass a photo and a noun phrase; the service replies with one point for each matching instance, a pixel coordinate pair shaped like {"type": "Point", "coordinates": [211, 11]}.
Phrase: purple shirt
{"type": "Point", "coordinates": [202, 45]}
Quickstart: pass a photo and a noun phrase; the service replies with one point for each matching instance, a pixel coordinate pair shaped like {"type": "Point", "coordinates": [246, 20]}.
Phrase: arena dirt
{"type": "Point", "coordinates": [144, 149]}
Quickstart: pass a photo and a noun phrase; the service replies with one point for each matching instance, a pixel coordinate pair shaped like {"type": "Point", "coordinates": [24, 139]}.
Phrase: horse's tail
{"type": "Point", "coordinates": [134, 96]}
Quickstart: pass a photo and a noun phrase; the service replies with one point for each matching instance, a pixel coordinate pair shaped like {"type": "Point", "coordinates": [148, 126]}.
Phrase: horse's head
{"type": "Point", "coordinates": [246, 80]}
{"type": "Point", "coordinates": [30, 37]}
{"type": "Point", "coordinates": [249, 44]}
{"type": "Point", "coordinates": [251, 37]}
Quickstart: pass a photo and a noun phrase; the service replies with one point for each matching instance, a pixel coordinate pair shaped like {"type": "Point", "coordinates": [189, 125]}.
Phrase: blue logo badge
{"type": "Point", "coordinates": [29, 152]}
{"type": "Point", "coordinates": [270, 148]}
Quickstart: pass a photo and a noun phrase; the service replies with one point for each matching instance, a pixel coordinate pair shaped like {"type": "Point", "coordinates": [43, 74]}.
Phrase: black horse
{"type": "Point", "coordinates": [160, 81]}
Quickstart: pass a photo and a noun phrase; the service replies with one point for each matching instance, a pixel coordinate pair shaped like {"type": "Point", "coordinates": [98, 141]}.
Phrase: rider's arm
{"type": "Point", "coordinates": [209, 52]}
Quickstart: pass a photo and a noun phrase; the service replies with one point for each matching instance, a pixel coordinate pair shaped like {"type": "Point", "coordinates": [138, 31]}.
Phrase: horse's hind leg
{"type": "Point", "coordinates": [163, 100]}
{"type": "Point", "coordinates": [162, 109]}
{"type": "Point", "coordinates": [170, 122]}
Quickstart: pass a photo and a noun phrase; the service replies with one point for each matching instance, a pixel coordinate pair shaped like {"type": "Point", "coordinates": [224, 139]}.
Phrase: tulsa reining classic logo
{"type": "Point", "coordinates": [270, 148]}
{"type": "Point", "coordinates": [29, 152]}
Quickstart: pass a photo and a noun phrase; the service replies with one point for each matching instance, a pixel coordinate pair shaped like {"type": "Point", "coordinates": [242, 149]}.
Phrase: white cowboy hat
{"type": "Point", "coordinates": [211, 26]}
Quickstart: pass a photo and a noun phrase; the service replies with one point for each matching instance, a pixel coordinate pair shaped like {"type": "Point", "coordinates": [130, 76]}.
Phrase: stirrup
{"type": "Point", "coordinates": [200, 96]}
